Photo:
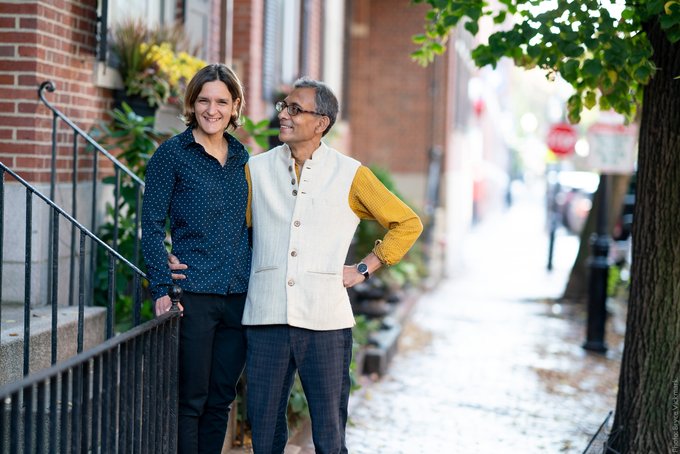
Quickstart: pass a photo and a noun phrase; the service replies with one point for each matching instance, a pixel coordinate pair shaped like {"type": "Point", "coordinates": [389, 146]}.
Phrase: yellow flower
{"type": "Point", "coordinates": [166, 73]}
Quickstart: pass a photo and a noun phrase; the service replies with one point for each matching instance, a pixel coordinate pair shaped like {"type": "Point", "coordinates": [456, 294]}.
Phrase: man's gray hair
{"type": "Point", "coordinates": [326, 102]}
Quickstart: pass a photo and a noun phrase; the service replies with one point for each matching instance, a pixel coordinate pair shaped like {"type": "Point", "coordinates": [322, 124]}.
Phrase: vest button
{"type": "Point", "coordinates": [290, 168]}
{"type": "Point", "coordinates": [294, 192]}
{"type": "Point", "coordinates": [297, 223]}
{"type": "Point", "coordinates": [292, 181]}
{"type": "Point", "coordinates": [291, 282]}
{"type": "Point", "coordinates": [293, 253]}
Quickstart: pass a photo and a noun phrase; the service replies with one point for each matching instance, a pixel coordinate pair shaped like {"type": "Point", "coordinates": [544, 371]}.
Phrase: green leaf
{"type": "Point", "coordinates": [451, 21]}
{"type": "Point", "coordinates": [437, 48]}
{"type": "Point", "coordinates": [534, 51]}
{"type": "Point", "coordinates": [419, 39]}
{"type": "Point", "coordinates": [592, 68]}
{"type": "Point", "coordinates": [569, 71]}
{"type": "Point", "coordinates": [628, 13]}
{"type": "Point", "coordinates": [472, 27]}
{"type": "Point", "coordinates": [571, 49]}
{"type": "Point", "coordinates": [643, 74]}
{"type": "Point", "coordinates": [673, 34]}
{"type": "Point", "coordinates": [590, 100]}
{"type": "Point", "coordinates": [655, 7]}
{"type": "Point", "coordinates": [604, 103]}
{"type": "Point", "coordinates": [262, 123]}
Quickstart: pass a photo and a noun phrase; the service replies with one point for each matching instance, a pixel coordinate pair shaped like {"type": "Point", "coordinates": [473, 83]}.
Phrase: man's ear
{"type": "Point", "coordinates": [323, 123]}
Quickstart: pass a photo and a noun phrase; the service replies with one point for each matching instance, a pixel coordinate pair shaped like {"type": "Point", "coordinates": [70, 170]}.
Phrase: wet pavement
{"type": "Point", "coordinates": [489, 361]}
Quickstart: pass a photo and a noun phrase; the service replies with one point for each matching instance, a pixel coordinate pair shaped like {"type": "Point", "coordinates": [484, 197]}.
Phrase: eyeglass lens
{"type": "Point", "coordinates": [292, 110]}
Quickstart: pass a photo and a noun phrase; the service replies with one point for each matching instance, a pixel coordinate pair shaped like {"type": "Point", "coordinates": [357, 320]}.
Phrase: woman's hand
{"type": "Point", "coordinates": [163, 305]}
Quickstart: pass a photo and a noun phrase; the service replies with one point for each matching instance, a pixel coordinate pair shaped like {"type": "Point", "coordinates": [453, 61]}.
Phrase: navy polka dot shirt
{"type": "Point", "coordinates": [206, 203]}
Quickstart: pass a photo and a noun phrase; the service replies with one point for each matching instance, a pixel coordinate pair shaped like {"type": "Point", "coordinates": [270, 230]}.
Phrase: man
{"type": "Point", "coordinates": [306, 202]}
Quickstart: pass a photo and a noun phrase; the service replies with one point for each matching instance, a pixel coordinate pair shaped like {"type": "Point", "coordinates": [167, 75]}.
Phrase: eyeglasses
{"type": "Point", "coordinates": [293, 110]}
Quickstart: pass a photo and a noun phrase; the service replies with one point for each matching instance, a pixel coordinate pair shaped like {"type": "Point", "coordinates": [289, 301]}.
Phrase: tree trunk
{"type": "Point", "coordinates": [577, 286]}
{"type": "Point", "coordinates": [646, 418]}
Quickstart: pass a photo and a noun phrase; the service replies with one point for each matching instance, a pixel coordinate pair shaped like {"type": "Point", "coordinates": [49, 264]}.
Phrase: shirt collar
{"type": "Point", "coordinates": [236, 148]}
{"type": "Point", "coordinates": [318, 156]}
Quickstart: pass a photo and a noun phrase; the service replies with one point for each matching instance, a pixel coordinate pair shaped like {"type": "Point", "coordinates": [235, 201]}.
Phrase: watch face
{"type": "Point", "coordinates": [362, 268]}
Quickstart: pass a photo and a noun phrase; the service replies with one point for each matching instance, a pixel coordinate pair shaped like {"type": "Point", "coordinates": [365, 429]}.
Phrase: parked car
{"type": "Point", "coordinates": [574, 192]}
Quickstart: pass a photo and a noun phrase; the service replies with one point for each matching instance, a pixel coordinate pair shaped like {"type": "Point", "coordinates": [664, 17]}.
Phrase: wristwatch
{"type": "Point", "coordinates": [363, 269]}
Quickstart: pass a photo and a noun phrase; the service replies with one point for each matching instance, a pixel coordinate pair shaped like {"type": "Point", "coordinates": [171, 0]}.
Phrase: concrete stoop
{"type": "Point", "coordinates": [12, 337]}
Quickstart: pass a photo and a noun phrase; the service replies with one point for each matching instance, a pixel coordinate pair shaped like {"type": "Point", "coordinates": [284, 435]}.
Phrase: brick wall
{"type": "Point", "coordinates": [46, 40]}
{"type": "Point", "coordinates": [248, 43]}
{"type": "Point", "coordinates": [217, 36]}
{"type": "Point", "coordinates": [315, 39]}
{"type": "Point", "coordinates": [395, 115]}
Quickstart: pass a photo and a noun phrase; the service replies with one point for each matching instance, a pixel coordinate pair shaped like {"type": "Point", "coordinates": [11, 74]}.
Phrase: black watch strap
{"type": "Point", "coordinates": [362, 268]}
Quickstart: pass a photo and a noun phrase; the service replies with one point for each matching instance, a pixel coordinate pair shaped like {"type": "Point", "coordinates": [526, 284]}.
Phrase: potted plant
{"type": "Point", "coordinates": [154, 65]}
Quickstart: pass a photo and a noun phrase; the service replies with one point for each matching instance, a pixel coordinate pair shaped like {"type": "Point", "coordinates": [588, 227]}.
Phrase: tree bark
{"type": "Point", "coordinates": [646, 418]}
{"type": "Point", "coordinates": [576, 289]}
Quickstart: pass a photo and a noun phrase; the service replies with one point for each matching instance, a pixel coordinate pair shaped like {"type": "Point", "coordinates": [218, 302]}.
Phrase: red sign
{"type": "Point", "coordinates": [561, 139]}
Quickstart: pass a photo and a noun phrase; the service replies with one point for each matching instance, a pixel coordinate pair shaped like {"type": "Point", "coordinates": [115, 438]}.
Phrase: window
{"type": "Point", "coordinates": [281, 55]}
{"type": "Point", "coordinates": [113, 12]}
{"type": "Point", "coordinates": [154, 12]}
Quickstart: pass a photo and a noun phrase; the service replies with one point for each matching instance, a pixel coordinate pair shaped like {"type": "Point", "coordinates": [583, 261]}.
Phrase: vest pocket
{"type": "Point", "coordinates": [325, 273]}
{"type": "Point", "coordinates": [265, 268]}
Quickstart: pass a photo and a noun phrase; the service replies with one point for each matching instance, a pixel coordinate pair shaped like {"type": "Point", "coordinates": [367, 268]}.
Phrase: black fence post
{"type": "Point", "coordinates": [599, 276]}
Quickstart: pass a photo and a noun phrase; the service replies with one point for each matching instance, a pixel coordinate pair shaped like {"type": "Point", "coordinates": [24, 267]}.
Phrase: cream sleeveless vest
{"type": "Point", "coordinates": [302, 231]}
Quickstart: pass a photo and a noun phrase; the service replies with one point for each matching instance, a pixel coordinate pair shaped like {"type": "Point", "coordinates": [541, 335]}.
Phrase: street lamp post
{"type": "Point", "coordinates": [599, 276]}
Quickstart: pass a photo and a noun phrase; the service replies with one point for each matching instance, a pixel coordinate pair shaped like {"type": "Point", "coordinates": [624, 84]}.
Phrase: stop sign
{"type": "Point", "coordinates": [561, 139]}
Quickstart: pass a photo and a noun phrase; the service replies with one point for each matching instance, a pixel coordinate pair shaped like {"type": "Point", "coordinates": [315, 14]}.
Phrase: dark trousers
{"type": "Point", "coordinates": [211, 359]}
{"type": "Point", "coordinates": [322, 360]}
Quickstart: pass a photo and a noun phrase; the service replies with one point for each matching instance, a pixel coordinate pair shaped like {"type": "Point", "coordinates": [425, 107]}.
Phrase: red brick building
{"type": "Point", "coordinates": [393, 112]}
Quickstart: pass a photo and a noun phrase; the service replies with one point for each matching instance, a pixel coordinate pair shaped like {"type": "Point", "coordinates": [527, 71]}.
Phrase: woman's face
{"type": "Point", "coordinates": [214, 108]}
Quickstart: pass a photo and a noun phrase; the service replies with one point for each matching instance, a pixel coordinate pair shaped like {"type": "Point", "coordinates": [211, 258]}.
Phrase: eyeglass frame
{"type": "Point", "coordinates": [280, 105]}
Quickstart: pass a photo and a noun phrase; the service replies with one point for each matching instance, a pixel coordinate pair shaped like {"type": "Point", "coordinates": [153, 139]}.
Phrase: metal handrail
{"type": "Point", "coordinates": [84, 356]}
{"type": "Point", "coordinates": [80, 227]}
{"type": "Point", "coordinates": [49, 86]}
{"type": "Point", "coordinates": [119, 170]}
{"type": "Point", "coordinates": [119, 396]}
{"type": "Point", "coordinates": [114, 258]}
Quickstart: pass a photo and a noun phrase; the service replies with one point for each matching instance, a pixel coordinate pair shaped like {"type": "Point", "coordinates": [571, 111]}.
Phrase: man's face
{"type": "Point", "coordinates": [303, 127]}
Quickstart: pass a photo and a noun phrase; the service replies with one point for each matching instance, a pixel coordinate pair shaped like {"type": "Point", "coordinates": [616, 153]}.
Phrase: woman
{"type": "Point", "coordinates": [197, 180]}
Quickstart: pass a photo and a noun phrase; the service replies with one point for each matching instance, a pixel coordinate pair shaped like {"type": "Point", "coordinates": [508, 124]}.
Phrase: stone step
{"type": "Point", "coordinates": [12, 337]}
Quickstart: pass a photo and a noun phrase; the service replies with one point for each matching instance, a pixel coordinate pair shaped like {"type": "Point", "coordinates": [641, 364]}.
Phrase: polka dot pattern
{"type": "Point", "coordinates": [206, 205]}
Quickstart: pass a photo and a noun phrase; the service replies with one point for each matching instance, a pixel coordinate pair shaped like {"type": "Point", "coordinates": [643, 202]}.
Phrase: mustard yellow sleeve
{"type": "Point", "coordinates": [370, 199]}
{"type": "Point", "coordinates": [249, 206]}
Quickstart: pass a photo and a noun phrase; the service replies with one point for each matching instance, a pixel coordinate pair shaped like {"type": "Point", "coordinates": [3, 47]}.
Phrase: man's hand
{"type": "Point", "coordinates": [351, 276]}
{"type": "Point", "coordinates": [163, 305]}
{"type": "Point", "coordinates": [175, 265]}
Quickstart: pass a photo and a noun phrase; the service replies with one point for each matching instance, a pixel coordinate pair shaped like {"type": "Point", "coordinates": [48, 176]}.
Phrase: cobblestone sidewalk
{"type": "Point", "coordinates": [489, 362]}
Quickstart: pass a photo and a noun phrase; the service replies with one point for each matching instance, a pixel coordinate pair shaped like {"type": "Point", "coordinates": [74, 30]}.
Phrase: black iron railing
{"type": "Point", "coordinates": [114, 259]}
{"type": "Point", "coordinates": [81, 141]}
{"type": "Point", "coordinates": [119, 397]}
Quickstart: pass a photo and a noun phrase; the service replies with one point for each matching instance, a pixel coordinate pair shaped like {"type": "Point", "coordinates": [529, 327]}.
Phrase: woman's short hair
{"type": "Point", "coordinates": [326, 102]}
{"type": "Point", "coordinates": [211, 73]}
